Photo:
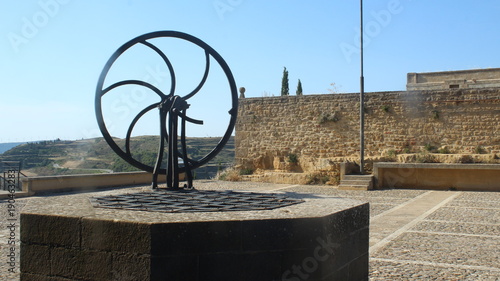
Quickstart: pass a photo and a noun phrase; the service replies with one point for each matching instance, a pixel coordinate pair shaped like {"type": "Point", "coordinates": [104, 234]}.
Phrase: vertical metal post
{"type": "Point", "coordinates": [361, 99]}
{"type": "Point", "coordinates": [163, 134]}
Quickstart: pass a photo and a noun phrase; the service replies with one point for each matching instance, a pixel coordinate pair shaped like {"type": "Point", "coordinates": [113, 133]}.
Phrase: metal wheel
{"type": "Point", "coordinates": [172, 107]}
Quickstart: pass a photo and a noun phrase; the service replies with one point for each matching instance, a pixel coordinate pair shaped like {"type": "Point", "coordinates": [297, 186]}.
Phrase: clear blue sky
{"type": "Point", "coordinates": [53, 51]}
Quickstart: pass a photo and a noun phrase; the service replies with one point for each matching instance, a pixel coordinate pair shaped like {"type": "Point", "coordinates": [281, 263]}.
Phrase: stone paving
{"type": "Point", "coordinates": [414, 234]}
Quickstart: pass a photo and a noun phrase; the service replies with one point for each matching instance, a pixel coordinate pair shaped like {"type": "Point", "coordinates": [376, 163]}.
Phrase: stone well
{"type": "Point", "coordinates": [66, 237]}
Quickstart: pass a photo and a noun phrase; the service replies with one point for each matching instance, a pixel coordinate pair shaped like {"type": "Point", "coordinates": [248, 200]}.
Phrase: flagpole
{"type": "Point", "coordinates": [361, 99]}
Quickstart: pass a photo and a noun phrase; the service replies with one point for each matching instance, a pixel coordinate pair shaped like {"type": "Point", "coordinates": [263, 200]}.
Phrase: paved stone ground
{"type": "Point", "coordinates": [414, 234]}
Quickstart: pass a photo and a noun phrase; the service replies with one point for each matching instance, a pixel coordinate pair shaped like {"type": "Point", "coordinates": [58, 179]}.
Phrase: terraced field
{"type": "Point", "coordinates": [60, 157]}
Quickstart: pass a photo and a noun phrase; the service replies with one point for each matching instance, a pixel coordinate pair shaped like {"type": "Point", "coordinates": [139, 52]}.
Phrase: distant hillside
{"type": "Point", "coordinates": [95, 156]}
{"type": "Point", "coordinates": [8, 145]}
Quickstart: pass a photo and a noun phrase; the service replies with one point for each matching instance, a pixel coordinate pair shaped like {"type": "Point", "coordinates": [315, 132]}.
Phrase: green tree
{"type": "Point", "coordinates": [299, 89]}
{"type": "Point", "coordinates": [284, 83]}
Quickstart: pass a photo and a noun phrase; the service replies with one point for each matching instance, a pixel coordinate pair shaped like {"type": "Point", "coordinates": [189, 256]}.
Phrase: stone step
{"type": "Point", "coordinates": [358, 177]}
{"type": "Point", "coordinates": [353, 187]}
{"type": "Point", "coordinates": [356, 182]}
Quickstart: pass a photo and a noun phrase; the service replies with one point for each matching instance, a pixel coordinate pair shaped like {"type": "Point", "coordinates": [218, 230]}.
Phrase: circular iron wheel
{"type": "Point", "coordinates": [143, 39]}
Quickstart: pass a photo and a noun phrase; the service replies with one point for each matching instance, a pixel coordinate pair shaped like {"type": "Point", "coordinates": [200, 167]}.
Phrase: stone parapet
{"type": "Point", "coordinates": [33, 185]}
{"type": "Point", "coordinates": [472, 177]}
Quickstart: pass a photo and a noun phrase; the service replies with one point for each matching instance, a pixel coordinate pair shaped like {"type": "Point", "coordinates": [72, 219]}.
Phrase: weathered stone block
{"type": "Point", "coordinates": [120, 236]}
{"type": "Point", "coordinates": [78, 263]}
{"type": "Point", "coordinates": [191, 238]}
{"type": "Point", "coordinates": [131, 267]}
{"type": "Point", "coordinates": [35, 259]}
{"type": "Point", "coordinates": [51, 230]}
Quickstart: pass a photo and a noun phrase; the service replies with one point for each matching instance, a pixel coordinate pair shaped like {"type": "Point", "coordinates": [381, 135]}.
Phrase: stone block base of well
{"type": "Point", "coordinates": [324, 238]}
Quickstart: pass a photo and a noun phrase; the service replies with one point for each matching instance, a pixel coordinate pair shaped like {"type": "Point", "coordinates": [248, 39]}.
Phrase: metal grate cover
{"type": "Point", "coordinates": [179, 201]}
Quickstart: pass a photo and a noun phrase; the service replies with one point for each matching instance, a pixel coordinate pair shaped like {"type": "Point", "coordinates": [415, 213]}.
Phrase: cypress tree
{"type": "Point", "coordinates": [299, 89]}
{"type": "Point", "coordinates": [284, 83]}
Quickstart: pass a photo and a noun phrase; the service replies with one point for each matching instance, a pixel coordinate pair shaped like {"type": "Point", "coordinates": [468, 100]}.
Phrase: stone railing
{"type": "Point", "coordinates": [33, 185]}
{"type": "Point", "coordinates": [475, 177]}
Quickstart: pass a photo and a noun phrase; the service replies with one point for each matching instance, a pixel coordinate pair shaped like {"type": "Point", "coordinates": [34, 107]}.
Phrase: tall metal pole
{"type": "Point", "coordinates": [361, 100]}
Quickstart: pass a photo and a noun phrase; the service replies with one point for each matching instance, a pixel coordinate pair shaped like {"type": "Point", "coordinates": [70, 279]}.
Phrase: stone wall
{"type": "Point", "coordinates": [322, 131]}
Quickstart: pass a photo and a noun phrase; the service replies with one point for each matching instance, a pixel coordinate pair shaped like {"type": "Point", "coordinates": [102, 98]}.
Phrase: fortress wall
{"type": "Point", "coordinates": [322, 130]}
